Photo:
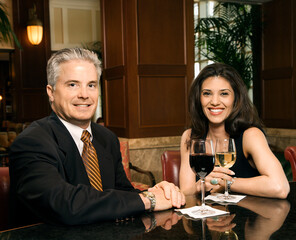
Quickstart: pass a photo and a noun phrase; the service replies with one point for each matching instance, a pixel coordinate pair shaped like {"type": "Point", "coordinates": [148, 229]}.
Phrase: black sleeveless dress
{"type": "Point", "coordinates": [242, 167]}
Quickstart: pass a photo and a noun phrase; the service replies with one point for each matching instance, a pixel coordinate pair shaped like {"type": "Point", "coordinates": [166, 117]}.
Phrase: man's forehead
{"type": "Point", "coordinates": [74, 67]}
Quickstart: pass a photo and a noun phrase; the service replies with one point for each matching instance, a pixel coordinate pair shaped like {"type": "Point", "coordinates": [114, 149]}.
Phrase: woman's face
{"type": "Point", "coordinates": [217, 98]}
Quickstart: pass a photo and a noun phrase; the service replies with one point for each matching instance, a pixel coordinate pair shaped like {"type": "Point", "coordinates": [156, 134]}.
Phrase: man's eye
{"type": "Point", "coordinates": [92, 85]}
{"type": "Point", "coordinates": [72, 84]}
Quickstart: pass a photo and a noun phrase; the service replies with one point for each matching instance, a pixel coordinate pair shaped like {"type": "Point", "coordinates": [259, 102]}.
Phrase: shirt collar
{"type": "Point", "coordinates": [76, 131]}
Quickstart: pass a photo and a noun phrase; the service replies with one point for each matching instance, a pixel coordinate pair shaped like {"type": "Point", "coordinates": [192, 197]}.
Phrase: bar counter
{"type": "Point", "coordinates": [251, 218]}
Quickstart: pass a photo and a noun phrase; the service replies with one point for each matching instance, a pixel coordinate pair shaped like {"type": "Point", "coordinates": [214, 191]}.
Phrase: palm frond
{"type": "Point", "coordinates": [227, 38]}
{"type": "Point", "coordinates": [6, 32]}
{"type": "Point", "coordinates": [95, 46]}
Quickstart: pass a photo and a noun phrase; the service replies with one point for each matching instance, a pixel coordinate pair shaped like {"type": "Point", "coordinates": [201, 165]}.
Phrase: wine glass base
{"type": "Point", "coordinates": [224, 197]}
{"type": "Point", "coordinates": [229, 235]}
{"type": "Point", "coordinates": [203, 211]}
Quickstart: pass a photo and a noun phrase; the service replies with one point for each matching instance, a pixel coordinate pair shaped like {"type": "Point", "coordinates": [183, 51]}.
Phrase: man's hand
{"type": "Point", "coordinates": [167, 194]}
{"type": "Point", "coordinates": [165, 219]}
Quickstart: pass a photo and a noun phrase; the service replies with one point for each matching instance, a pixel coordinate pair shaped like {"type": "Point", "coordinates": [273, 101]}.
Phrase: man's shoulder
{"type": "Point", "coordinates": [35, 137]}
{"type": "Point", "coordinates": [104, 136]}
{"type": "Point", "coordinates": [36, 125]}
{"type": "Point", "coordinates": [42, 129]}
{"type": "Point", "coordinates": [102, 131]}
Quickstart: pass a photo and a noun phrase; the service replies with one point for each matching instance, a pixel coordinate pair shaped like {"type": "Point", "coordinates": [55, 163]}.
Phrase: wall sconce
{"type": "Point", "coordinates": [34, 27]}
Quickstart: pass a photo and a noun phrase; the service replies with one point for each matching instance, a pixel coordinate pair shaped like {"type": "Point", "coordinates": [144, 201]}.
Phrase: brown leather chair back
{"type": "Point", "coordinates": [4, 196]}
{"type": "Point", "coordinates": [290, 155]}
{"type": "Point", "coordinates": [171, 161]}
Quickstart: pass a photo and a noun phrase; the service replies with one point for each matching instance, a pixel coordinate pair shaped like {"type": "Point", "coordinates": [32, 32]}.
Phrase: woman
{"type": "Point", "coordinates": [219, 107]}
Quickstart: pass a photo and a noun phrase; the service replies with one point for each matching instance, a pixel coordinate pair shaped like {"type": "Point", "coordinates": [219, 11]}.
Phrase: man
{"type": "Point", "coordinates": [51, 167]}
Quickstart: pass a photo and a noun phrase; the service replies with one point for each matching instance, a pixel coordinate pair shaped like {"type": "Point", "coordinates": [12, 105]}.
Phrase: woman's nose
{"type": "Point", "coordinates": [215, 99]}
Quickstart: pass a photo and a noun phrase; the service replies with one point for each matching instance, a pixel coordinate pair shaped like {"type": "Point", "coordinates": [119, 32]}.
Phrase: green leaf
{"type": "Point", "coordinates": [6, 31]}
{"type": "Point", "coordinates": [228, 38]}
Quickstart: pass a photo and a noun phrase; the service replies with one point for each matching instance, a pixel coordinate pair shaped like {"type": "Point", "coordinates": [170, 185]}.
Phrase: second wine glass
{"type": "Point", "coordinates": [202, 161]}
{"type": "Point", "coordinates": [225, 157]}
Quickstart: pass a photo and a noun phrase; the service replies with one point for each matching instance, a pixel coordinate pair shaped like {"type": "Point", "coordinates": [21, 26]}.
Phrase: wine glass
{"type": "Point", "coordinates": [202, 161]}
{"type": "Point", "coordinates": [228, 235]}
{"type": "Point", "coordinates": [225, 157]}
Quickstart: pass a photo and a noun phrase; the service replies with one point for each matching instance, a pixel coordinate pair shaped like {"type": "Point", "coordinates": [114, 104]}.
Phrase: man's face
{"type": "Point", "coordinates": [76, 92]}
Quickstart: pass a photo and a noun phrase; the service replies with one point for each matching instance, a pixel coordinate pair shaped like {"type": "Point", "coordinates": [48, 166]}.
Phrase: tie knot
{"type": "Point", "coordinates": [85, 137]}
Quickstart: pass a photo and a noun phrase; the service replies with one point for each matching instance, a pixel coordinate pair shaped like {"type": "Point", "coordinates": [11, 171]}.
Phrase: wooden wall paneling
{"type": "Point", "coordinates": [113, 33]}
{"type": "Point", "coordinates": [161, 32]}
{"type": "Point", "coordinates": [30, 64]}
{"type": "Point", "coordinates": [277, 35]}
{"type": "Point", "coordinates": [154, 71]}
{"type": "Point", "coordinates": [282, 103]}
{"type": "Point", "coordinates": [293, 50]}
{"type": "Point", "coordinates": [5, 69]}
{"type": "Point", "coordinates": [115, 102]}
{"type": "Point", "coordinates": [167, 107]}
{"type": "Point", "coordinates": [131, 44]}
{"type": "Point", "coordinates": [31, 109]}
{"type": "Point", "coordinates": [162, 61]}
{"type": "Point", "coordinates": [190, 49]}
{"type": "Point", "coordinates": [278, 61]}
{"type": "Point", "coordinates": [113, 64]}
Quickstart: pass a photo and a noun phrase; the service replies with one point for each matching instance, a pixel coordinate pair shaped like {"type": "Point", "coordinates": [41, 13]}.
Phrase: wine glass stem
{"type": "Point", "coordinates": [226, 194]}
{"type": "Point", "coordinates": [202, 193]}
{"type": "Point", "coordinates": [203, 228]}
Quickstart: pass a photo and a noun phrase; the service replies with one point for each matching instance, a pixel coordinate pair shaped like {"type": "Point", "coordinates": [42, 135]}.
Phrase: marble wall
{"type": "Point", "coordinates": [146, 152]}
{"type": "Point", "coordinates": [279, 139]}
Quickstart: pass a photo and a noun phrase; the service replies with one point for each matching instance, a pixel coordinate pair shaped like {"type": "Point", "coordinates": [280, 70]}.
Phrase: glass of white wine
{"type": "Point", "coordinates": [225, 157]}
{"type": "Point", "coordinates": [228, 235]}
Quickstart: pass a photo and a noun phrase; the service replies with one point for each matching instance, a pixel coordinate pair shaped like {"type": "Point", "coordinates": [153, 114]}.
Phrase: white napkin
{"type": "Point", "coordinates": [215, 197]}
{"type": "Point", "coordinates": [193, 212]}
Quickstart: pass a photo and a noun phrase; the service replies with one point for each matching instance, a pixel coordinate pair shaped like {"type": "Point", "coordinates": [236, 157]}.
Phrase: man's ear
{"type": "Point", "coordinates": [49, 90]}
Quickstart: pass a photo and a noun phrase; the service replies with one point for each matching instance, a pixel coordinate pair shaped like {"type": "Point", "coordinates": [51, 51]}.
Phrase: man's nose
{"type": "Point", "coordinates": [83, 93]}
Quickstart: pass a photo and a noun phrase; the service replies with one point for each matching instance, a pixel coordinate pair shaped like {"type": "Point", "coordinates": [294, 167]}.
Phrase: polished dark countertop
{"type": "Point", "coordinates": [251, 218]}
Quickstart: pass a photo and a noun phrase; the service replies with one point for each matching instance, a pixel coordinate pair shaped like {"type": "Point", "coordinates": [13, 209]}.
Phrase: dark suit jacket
{"type": "Point", "coordinates": [48, 176]}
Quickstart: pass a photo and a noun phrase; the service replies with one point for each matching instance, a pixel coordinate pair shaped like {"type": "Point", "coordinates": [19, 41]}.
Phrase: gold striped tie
{"type": "Point", "coordinates": [90, 160]}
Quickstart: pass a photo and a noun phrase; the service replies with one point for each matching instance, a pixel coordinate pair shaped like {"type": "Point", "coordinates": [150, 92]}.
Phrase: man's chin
{"type": "Point", "coordinates": [83, 123]}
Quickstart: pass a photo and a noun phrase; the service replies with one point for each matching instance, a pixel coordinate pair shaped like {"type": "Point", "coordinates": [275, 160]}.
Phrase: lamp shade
{"type": "Point", "coordinates": [35, 34]}
{"type": "Point", "coordinates": [34, 27]}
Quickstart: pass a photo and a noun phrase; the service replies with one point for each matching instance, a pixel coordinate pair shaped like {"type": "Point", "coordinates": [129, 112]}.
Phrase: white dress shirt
{"type": "Point", "coordinates": [76, 133]}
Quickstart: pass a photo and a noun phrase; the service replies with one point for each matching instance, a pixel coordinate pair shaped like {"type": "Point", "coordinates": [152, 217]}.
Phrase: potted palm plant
{"type": "Point", "coordinates": [230, 37]}
{"type": "Point", "coordinates": [6, 31]}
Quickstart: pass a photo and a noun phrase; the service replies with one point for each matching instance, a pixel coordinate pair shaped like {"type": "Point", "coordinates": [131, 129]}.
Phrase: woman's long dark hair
{"type": "Point", "coordinates": [244, 113]}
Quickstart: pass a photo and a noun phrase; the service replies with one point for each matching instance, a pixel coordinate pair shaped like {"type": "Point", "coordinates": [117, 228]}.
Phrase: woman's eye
{"type": "Point", "coordinates": [224, 93]}
{"type": "Point", "coordinates": [206, 93]}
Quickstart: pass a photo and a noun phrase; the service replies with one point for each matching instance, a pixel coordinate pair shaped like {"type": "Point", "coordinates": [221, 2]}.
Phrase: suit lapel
{"type": "Point", "coordinates": [105, 160]}
{"type": "Point", "coordinates": [73, 166]}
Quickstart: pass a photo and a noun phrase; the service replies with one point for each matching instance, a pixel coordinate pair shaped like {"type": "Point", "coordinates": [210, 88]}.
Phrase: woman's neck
{"type": "Point", "coordinates": [217, 131]}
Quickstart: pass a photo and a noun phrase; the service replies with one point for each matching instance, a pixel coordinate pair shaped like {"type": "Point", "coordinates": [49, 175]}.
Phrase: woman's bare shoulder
{"type": "Point", "coordinates": [253, 132]}
{"type": "Point", "coordinates": [186, 135]}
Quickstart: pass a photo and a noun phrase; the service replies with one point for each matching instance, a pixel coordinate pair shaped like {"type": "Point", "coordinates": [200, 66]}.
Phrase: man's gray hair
{"type": "Point", "coordinates": [68, 54]}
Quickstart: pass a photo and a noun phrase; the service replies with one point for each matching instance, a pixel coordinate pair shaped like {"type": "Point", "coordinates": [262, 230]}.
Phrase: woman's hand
{"type": "Point", "coordinates": [214, 182]}
{"type": "Point", "coordinates": [221, 224]}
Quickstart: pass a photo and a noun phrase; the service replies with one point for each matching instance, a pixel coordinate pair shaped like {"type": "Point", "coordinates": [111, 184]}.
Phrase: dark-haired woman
{"type": "Point", "coordinates": [219, 107]}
